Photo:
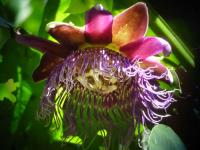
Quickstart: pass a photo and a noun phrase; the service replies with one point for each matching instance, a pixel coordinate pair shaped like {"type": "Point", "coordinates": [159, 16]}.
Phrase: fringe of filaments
{"type": "Point", "coordinates": [148, 93]}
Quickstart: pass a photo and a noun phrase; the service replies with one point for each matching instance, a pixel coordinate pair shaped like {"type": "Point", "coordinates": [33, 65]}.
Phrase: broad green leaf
{"type": "Point", "coordinates": [7, 89]}
{"type": "Point", "coordinates": [163, 137]}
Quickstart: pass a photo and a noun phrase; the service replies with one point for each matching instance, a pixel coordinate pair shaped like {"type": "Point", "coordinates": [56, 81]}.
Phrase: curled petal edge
{"type": "Point", "coordinates": [146, 47]}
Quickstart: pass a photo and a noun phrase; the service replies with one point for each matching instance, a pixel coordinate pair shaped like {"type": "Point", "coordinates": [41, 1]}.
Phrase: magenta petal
{"type": "Point", "coordinates": [98, 28]}
{"type": "Point", "coordinates": [145, 47]}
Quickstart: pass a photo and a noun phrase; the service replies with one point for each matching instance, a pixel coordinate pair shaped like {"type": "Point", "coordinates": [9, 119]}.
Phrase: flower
{"type": "Point", "coordinates": [103, 76]}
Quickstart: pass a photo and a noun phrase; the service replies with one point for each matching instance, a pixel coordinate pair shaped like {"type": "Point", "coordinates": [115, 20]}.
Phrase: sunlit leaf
{"type": "Point", "coordinates": [163, 137]}
{"type": "Point", "coordinates": [49, 15]}
{"type": "Point", "coordinates": [74, 140]}
{"type": "Point", "coordinates": [80, 6]}
{"type": "Point", "coordinates": [33, 22]}
{"type": "Point", "coordinates": [76, 19]}
{"type": "Point", "coordinates": [7, 89]}
{"type": "Point", "coordinates": [102, 133]}
{"type": "Point", "coordinates": [61, 14]}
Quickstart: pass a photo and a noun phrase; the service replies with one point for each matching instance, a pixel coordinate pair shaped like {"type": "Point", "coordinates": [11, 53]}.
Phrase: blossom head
{"type": "Point", "coordinates": [103, 76]}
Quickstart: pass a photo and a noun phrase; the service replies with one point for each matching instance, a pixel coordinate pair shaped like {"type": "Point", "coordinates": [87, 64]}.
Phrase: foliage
{"type": "Point", "coordinates": [19, 96]}
{"type": "Point", "coordinates": [6, 90]}
{"type": "Point", "coordinates": [163, 137]}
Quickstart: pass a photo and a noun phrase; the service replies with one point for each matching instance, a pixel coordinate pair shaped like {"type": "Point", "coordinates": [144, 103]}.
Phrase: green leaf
{"type": "Point", "coordinates": [107, 4]}
{"type": "Point", "coordinates": [3, 1]}
{"type": "Point", "coordinates": [7, 89]}
{"type": "Point", "coordinates": [21, 9]}
{"type": "Point", "coordinates": [102, 133]}
{"type": "Point", "coordinates": [4, 36]}
{"type": "Point", "coordinates": [24, 95]}
{"type": "Point", "coordinates": [81, 6]}
{"type": "Point", "coordinates": [163, 137]}
{"type": "Point", "coordinates": [76, 19]}
{"type": "Point", "coordinates": [61, 14]}
{"type": "Point", "coordinates": [49, 15]}
{"type": "Point", "coordinates": [1, 58]}
{"type": "Point", "coordinates": [33, 22]}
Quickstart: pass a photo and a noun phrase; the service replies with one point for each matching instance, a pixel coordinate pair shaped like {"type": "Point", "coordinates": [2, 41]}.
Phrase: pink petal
{"type": "Point", "coordinates": [47, 64]}
{"type": "Point", "coordinates": [66, 34]}
{"type": "Point", "coordinates": [146, 47]}
{"type": "Point", "coordinates": [130, 25]}
{"type": "Point", "coordinates": [42, 44]}
{"type": "Point", "coordinates": [98, 28]}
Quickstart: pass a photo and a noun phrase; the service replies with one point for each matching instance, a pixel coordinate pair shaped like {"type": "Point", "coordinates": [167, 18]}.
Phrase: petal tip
{"type": "Point", "coordinates": [131, 24]}
{"type": "Point", "coordinates": [99, 7]}
{"type": "Point", "coordinates": [141, 4]}
{"type": "Point", "coordinates": [166, 47]}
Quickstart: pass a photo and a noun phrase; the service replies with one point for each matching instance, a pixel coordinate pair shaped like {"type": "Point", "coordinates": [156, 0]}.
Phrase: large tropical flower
{"type": "Point", "coordinates": [103, 76]}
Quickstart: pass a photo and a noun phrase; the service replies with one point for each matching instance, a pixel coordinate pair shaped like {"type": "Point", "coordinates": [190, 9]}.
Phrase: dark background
{"type": "Point", "coordinates": [184, 18]}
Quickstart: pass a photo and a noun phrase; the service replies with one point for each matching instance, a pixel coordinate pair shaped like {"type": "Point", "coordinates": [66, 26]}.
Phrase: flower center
{"type": "Point", "coordinates": [98, 72]}
{"type": "Point", "coordinates": [95, 80]}
{"type": "Point", "coordinates": [96, 69]}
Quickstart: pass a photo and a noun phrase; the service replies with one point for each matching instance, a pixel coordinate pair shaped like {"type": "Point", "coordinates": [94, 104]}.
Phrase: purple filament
{"type": "Point", "coordinates": [108, 89]}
